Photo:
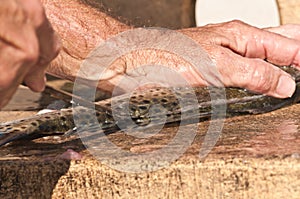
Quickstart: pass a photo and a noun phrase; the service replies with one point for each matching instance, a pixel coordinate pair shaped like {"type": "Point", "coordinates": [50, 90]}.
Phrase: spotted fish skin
{"type": "Point", "coordinates": [54, 122]}
{"type": "Point", "coordinates": [138, 111]}
{"type": "Point", "coordinates": [127, 108]}
{"type": "Point", "coordinates": [146, 109]}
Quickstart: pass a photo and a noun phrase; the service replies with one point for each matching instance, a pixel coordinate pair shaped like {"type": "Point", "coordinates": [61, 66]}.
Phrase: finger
{"type": "Point", "coordinates": [36, 81]}
{"type": "Point", "coordinates": [252, 42]}
{"type": "Point", "coordinates": [49, 43]}
{"type": "Point", "coordinates": [291, 31]}
{"type": "Point", "coordinates": [253, 74]}
{"type": "Point", "coordinates": [18, 31]}
{"type": "Point", "coordinates": [14, 66]}
{"type": "Point", "coordinates": [266, 78]}
{"type": "Point", "coordinates": [6, 95]}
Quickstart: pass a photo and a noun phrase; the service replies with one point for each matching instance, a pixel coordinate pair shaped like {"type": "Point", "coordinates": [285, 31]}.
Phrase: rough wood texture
{"type": "Point", "coordinates": [255, 157]}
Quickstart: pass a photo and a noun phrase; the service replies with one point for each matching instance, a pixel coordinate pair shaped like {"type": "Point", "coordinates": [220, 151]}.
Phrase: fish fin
{"type": "Point", "coordinates": [9, 137]}
{"type": "Point", "coordinates": [70, 132]}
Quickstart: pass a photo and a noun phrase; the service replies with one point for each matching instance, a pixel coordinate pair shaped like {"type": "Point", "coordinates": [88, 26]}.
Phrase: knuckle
{"type": "Point", "coordinates": [235, 26]}
{"type": "Point", "coordinates": [260, 79]}
{"type": "Point", "coordinates": [19, 14]}
{"type": "Point", "coordinates": [40, 17]}
{"type": "Point", "coordinates": [6, 81]}
{"type": "Point", "coordinates": [35, 11]}
{"type": "Point", "coordinates": [31, 54]}
{"type": "Point", "coordinates": [235, 23]}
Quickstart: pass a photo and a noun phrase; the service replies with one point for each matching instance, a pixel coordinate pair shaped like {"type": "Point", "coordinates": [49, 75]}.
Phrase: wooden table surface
{"type": "Point", "coordinates": [255, 157]}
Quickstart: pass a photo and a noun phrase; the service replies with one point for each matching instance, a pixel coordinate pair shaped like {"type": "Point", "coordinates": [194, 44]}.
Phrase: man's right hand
{"type": "Point", "coordinates": [27, 45]}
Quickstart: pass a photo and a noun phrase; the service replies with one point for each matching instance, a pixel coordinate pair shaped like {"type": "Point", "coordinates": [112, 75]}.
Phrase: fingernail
{"type": "Point", "coordinates": [45, 79]}
{"type": "Point", "coordinates": [43, 85]}
{"type": "Point", "coordinates": [286, 86]}
{"type": "Point", "coordinates": [38, 84]}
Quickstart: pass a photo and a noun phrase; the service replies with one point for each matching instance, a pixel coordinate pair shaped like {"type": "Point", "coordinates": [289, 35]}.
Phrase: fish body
{"type": "Point", "coordinates": [148, 108]}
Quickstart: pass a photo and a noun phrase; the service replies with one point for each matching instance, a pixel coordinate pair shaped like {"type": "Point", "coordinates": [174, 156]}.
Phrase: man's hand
{"type": "Point", "coordinates": [240, 50]}
{"type": "Point", "coordinates": [27, 45]}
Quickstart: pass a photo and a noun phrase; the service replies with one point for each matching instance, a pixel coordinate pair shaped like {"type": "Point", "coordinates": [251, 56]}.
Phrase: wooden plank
{"type": "Point", "coordinates": [255, 157]}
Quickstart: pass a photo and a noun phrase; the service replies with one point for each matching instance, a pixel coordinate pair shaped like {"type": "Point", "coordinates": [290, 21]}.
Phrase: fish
{"type": "Point", "coordinates": [148, 108]}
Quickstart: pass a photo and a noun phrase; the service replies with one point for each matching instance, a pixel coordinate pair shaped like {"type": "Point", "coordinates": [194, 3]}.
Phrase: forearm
{"type": "Point", "coordinates": [81, 28]}
{"type": "Point", "coordinates": [237, 49]}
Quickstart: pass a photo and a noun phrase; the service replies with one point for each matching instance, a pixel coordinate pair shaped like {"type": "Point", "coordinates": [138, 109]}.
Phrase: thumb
{"type": "Point", "coordinates": [36, 81]}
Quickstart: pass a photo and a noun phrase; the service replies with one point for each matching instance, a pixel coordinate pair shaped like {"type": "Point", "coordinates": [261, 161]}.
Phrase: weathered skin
{"type": "Point", "coordinates": [141, 106]}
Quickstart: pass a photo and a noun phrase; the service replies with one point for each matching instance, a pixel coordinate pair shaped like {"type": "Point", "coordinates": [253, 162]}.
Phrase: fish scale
{"type": "Point", "coordinates": [146, 108]}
